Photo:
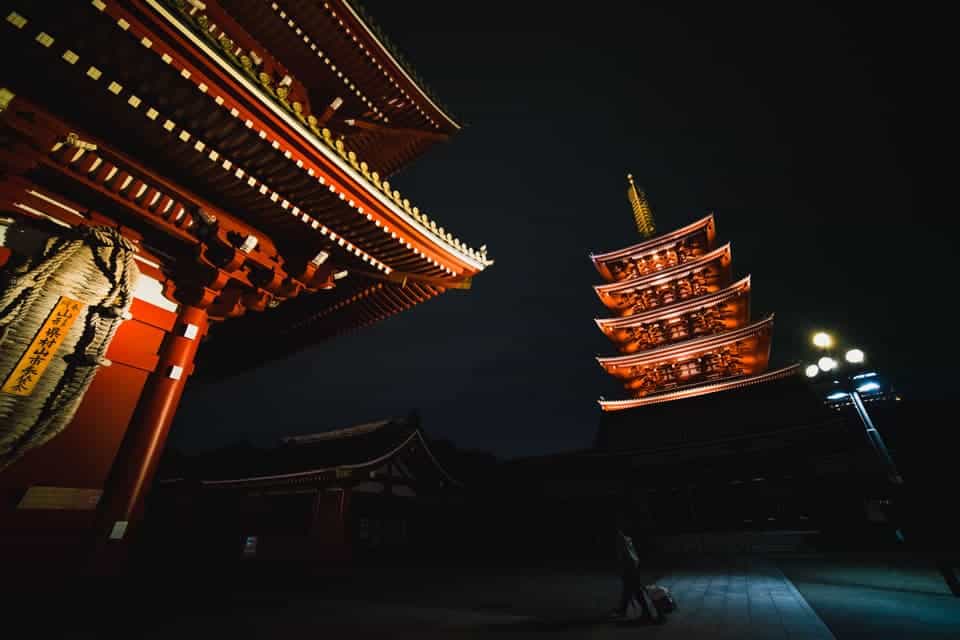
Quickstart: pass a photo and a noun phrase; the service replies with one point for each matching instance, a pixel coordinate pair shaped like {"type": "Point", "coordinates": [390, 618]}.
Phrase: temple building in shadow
{"type": "Point", "coordinates": [369, 493]}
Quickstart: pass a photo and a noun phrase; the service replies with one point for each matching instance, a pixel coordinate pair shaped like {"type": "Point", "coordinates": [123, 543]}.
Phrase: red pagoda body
{"type": "Point", "coordinates": [682, 323]}
{"type": "Point", "coordinates": [175, 172]}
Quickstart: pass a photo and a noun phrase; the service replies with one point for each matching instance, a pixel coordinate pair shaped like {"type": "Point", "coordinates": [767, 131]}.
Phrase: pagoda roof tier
{"type": "Point", "coordinates": [613, 295]}
{"type": "Point", "coordinates": [153, 85]}
{"type": "Point", "coordinates": [623, 366]}
{"type": "Point", "coordinates": [699, 390]}
{"type": "Point", "coordinates": [705, 226]}
{"type": "Point", "coordinates": [735, 300]}
{"type": "Point", "coordinates": [383, 110]}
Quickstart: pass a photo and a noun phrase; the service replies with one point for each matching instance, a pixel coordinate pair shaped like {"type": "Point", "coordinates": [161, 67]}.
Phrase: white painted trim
{"type": "Point", "coordinates": [139, 258]}
{"type": "Point", "coordinates": [150, 290]}
{"type": "Point", "coordinates": [37, 212]}
{"type": "Point", "coordinates": [55, 203]}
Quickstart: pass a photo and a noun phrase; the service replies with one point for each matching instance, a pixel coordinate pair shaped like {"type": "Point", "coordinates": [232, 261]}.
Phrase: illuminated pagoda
{"type": "Point", "coordinates": [711, 452]}
{"type": "Point", "coordinates": [175, 172]}
{"type": "Point", "coordinates": [682, 321]}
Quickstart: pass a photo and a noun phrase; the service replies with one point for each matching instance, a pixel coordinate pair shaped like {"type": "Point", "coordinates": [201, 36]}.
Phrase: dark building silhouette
{"type": "Point", "coordinates": [373, 492]}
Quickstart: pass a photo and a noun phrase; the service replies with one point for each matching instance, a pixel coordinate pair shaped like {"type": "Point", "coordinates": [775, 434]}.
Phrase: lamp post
{"type": "Point", "coordinates": [848, 375]}
{"type": "Point", "coordinates": [847, 372]}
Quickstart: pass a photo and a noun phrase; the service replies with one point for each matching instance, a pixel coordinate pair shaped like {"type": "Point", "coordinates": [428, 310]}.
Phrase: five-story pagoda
{"type": "Point", "coordinates": [682, 322]}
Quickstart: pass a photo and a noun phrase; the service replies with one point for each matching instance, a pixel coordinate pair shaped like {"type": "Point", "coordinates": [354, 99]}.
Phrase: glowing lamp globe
{"type": "Point", "coordinates": [854, 356]}
{"type": "Point", "coordinates": [826, 364]}
{"type": "Point", "coordinates": [812, 370]}
{"type": "Point", "coordinates": [822, 340]}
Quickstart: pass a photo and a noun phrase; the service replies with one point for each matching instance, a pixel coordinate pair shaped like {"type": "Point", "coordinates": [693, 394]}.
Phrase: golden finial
{"type": "Point", "coordinates": [642, 213]}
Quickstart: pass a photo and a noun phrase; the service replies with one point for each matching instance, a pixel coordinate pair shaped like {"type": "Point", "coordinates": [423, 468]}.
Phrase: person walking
{"type": "Point", "coordinates": [632, 588]}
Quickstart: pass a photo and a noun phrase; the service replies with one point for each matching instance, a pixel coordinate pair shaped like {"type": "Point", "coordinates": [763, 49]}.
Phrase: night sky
{"type": "Point", "coordinates": [795, 128]}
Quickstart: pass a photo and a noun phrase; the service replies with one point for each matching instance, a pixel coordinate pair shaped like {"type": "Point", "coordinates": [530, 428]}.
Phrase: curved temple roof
{"type": "Point", "coordinates": [381, 191]}
{"type": "Point", "coordinates": [390, 49]}
{"type": "Point", "coordinates": [214, 141]}
{"type": "Point", "coordinates": [706, 223]}
{"type": "Point", "coordinates": [665, 275]}
{"type": "Point", "coordinates": [677, 308]}
{"type": "Point", "coordinates": [611, 364]}
{"type": "Point", "coordinates": [313, 456]}
{"type": "Point", "coordinates": [701, 390]}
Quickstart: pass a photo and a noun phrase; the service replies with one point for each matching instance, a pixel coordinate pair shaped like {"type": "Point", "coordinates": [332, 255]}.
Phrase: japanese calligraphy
{"type": "Point", "coordinates": [34, 361]}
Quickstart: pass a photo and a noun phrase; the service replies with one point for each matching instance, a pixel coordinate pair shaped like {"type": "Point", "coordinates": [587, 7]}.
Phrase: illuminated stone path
{"type": "Point", "coordinates": [744, 599]}
{"type": "Point", "coordinates": [732, 598]}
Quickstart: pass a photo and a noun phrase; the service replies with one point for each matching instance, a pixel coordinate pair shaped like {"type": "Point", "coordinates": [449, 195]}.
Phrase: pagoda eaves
{"type": "Point", "coordinates": [701, 390]}
{"type": "Point", "coordinates": [618, 365]}
{"type": "Point", "coordinates": [730, 308]}
{"type": "Point", "coordinates": [715, 264]}
{"type": "Point", "coordinates": [705, 226]}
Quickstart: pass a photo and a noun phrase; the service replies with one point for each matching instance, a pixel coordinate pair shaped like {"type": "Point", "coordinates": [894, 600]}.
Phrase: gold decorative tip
{"type": "Point", "coordinates": [6, 96]}
{"type": "Point", "coordinates": [642, 213]}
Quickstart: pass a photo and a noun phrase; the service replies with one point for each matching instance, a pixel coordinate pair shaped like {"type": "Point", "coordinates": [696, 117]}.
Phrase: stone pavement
{"type": "Point", "coordinates": [871, 597]}
{"type": "Point", "coordinates": [736, 599]}
{"type": "Point", "coordinates": [742, 598]}
{"type": "Point", "coordinates": [732, 598]}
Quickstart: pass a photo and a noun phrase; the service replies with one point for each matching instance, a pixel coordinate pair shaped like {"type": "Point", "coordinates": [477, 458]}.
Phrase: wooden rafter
{"type": "Point", "coordinates": [395, 131]}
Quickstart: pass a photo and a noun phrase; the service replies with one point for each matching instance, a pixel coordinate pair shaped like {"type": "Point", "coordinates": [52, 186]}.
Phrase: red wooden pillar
{"type": "Point", "coordinates": [139, 453]}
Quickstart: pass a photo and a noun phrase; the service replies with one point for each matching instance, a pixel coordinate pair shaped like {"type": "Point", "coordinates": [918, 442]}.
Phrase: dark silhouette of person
{"type": "Point", "coordinates": [633, 588]}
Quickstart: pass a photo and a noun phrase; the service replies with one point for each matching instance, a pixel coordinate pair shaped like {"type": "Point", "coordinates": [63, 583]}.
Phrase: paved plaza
{"type": "Point", "coordinates": [740, 598]}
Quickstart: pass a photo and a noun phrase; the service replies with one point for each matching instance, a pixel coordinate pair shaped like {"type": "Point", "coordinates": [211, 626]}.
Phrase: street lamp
{"type": "Point", "coordinates": [822, 340]}
{"type": "Point", "coordinates": [854, 356]}
{"type": "Point", "coordinates": [826, 363]}
{"type": "Point", "coordinates": [849, 376]}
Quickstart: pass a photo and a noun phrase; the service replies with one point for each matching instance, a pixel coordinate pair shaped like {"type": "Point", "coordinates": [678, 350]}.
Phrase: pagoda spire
{"type": "Point", "coordinates": [642, 212]}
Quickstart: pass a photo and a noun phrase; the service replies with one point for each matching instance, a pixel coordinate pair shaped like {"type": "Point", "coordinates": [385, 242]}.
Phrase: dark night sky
{"type": "Point", "coordinates": [793, 127]}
